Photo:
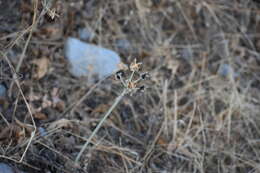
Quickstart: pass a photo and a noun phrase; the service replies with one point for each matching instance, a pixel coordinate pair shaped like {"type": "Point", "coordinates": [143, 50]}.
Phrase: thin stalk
{"type": "Point", "coordinates": [100, 124]}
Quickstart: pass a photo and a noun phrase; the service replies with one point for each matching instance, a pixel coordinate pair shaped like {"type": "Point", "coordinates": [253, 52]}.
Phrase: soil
{"type": "Point", "coordinates": [190, 118]}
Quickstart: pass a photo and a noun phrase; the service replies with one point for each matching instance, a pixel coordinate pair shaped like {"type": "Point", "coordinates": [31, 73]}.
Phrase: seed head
{"type": "Point", "coordinates": [134, 66]}
{"type": "Point", "coordinates": [141, 88]}
{"type": "Point", "coordinates": [144, 76]}
{"type": "Point", "coordinates": [131, 85]}
{"type": "Point", "coordinates": [119, 74]}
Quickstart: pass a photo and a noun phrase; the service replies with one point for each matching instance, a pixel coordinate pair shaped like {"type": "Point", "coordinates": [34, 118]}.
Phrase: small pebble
{"type": "Point", "coordinates": [2, 90]}
{"type": "Point", "coordinates": [226, 70]}
{"type": "Point", "coordinates": [5, 168]}
{"type": "Point", "coordinates": [86, 34]}
{"type": "Point", "coordinates": [187, 53]}
{"type": "Point", "coordinates": [42, 131]}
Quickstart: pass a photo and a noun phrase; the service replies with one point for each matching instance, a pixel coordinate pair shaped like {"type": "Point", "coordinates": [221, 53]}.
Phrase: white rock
{"type": "Point", "coordinates": [88, 60]}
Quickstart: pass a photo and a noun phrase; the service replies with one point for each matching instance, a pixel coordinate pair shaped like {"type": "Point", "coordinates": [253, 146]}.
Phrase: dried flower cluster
{"type": "Point", "coordinates": [133, 83]}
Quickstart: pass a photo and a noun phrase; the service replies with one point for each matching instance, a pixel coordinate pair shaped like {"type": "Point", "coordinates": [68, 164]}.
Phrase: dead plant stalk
{"type": "Point", "coordinates": [118, 99]}
{"type": "Point", "coordinates": [130, 86]}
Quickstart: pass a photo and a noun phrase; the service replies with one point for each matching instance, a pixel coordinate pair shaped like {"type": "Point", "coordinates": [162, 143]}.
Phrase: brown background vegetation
{"type": "Point", "coordinates": [192, 118]}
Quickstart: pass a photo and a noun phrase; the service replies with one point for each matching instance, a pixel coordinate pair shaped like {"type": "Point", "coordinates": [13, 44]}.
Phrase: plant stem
{"type": "Point", "coordinates": [100, 124]}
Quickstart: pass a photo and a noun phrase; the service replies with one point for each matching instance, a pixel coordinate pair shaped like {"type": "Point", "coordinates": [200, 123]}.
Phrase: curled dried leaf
{"type": "Point", "coordinates": [42, 67]}
{"type": "Point", "coordinates": [12, 132]}
{"type": "Point", "coordinates": [119, 75]}
{"type": "Point", "coordinates": [131, 85]}
{"type": "Point", "coordinates": [145, 76]}
{"type": "Point", "coordinates": [62, 123]}
{"type": "Point", "coordinates": [40, 116]}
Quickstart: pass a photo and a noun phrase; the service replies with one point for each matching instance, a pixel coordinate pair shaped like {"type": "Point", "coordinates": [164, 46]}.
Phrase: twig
{"type": "Point", "coordinates": [5, 120]}
{"type": "Point", "coordinates": [30, 30]}
{"type": "Point", "coordinates": [26, 103]}
{"type": "Point", "coordinates": [175, 128]}
{"type": "Point", "coordinates": [187, 21]}
{"type": "Point", "coordinates": [152, 146]}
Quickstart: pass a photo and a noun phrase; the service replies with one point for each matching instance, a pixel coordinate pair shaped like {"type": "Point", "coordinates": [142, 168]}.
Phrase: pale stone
{"type": "Point", "coordinates": [88, 59]}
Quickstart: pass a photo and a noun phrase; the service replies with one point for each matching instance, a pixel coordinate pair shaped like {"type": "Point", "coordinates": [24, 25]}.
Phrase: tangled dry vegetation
{"type": "Point", "coordinates": [193, 117]}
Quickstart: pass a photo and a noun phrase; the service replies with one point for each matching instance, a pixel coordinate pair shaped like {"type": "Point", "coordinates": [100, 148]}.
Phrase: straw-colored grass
{"type": "Point", "coordinates": [199, 113]}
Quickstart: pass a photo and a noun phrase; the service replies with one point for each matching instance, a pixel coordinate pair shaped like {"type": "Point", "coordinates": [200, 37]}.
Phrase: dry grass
{"type": "Point", "coordinates": [190, 119]}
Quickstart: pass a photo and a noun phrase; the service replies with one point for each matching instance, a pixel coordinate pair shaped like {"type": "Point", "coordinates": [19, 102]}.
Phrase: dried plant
{"type": "Point", "coordinates": [130, 86]}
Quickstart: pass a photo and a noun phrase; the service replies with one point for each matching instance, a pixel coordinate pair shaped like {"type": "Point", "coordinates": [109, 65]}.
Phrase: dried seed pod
{"type": "Point", "coordinates": [141, 88]}
{"type": "Point", "coordinates": [119, 74]}
{"type": "Point", "coordinates": [131, 85]}
{"type": "Point", "coordinates": [134, 66]}
{"type": "Point", "coordinates": [144, 76]}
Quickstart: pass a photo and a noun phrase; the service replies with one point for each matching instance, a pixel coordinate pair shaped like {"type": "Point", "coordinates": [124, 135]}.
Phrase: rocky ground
{"type": "Point", "coordinates": [199, 111]}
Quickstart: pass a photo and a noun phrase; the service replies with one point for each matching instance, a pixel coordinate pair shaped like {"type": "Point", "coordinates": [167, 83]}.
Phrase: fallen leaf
{"type": "Point", "coordinates": [33, 97]}
{"type": "Point", "coordinates": [42, 67]}
{"type": "Point", "coordinates": [28, 127]}
{"type": "Point", "coordinates": [40, 116]}
{"type": "Point", "coordinates": [162, 142]}
{"type": "Point", "coordinates": [58, 104]}
{"type": "Point", "coordinates": [11, 133]}
{"type": "Point", "coordinates": [53, 32]}
{"type": "Point", "coordinates": [56, 101]}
